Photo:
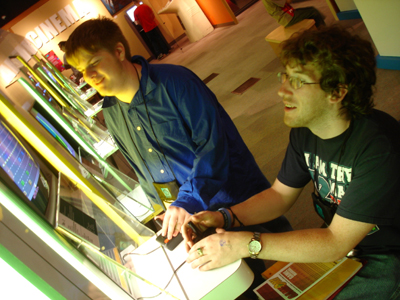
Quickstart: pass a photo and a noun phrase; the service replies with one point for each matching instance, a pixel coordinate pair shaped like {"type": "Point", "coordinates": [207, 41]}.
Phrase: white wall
{"type": "Point", "coordinates": [383, 23]}
{"type": "Point", "coordinates": [345, 5]}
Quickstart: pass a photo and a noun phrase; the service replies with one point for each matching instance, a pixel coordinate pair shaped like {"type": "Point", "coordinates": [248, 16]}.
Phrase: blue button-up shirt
{"type": "Point", "coordinates": [183, 127]}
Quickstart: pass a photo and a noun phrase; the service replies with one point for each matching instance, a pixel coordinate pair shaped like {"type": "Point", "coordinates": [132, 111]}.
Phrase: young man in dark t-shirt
{"type": "Point", "coordinates": [350, 151]}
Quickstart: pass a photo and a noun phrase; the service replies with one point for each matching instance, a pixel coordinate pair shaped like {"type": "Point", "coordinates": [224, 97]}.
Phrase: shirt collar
{"type": "Point", "coordinates": [146, 84]}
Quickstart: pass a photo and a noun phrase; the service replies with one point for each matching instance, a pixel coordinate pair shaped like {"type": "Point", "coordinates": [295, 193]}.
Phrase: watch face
{"type": "Point", "coordinates": [254, 247]}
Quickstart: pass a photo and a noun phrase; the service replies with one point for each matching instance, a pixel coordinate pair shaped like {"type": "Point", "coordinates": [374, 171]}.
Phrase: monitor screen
{"type": "Point", "coordinates": [50, 128]}
{"type": "Point", "coordinates": [17, 163]}
{"type": "Point", "coordinates": [27, 173]}
{"type": "Point", "coordinates": [48, 192]}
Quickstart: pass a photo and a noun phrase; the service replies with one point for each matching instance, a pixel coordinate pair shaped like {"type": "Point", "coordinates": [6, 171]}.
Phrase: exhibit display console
{"type": "Point", "coordinates": [70, 223]}
{"type": "Point", "coordinates": [125, 191]}
{"type": "Point", "coordinates": [51, 202]}
{"type": "Point", "coordinates": [56, 221]}
{"type": "Point", "coordinates": [193, 20]}
{"type": "Point", "coordinates": [59, 158]}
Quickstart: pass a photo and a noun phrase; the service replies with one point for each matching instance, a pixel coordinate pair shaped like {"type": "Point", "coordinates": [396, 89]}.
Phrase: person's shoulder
{"type": "Point", "coordinates": [166, 73]}
{"type": "Point", "coordinates": [379, 122]}
{"type": "Point", "coordinates": [378, 127]}
{"type": "Point", "coordinates": [382, 117]}
{"type": "Point", "coordinates": [144, 7]}
{"type": "Point", "coordinates": [141, 6]}
{"type": "Point", "coordinates": [171, 71]}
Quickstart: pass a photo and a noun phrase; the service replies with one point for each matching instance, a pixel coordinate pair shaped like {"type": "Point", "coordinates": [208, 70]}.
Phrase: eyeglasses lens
{"type": "Point", "coordinates": [295, 82]}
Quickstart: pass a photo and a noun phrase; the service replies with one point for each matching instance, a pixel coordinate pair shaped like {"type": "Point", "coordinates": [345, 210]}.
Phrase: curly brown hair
{"type": "Point", "coordinates": [94, 35]}
{"type": "Point", "coordinates": [344, 60]}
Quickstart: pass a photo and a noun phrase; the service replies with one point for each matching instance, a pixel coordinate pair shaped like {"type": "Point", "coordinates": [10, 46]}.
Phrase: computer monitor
{"type": "Point", "coordinates": [28, 175]}
{"type": "Point", "coordinates": [53, 131]}
{"type": "Point", "coordinates": [67, 208]}
{"type": "Point", "coordinates": [49, 193]}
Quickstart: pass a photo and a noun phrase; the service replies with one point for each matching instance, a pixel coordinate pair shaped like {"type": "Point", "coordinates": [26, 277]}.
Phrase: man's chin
{"type": "Point", "coordinates": [291, 123]}
{"type": "Point", "coordinates": [103, 93]}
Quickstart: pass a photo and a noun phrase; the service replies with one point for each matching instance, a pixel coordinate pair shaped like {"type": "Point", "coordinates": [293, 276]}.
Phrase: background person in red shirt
{"type": "Point", "coordinates": [144, 16]}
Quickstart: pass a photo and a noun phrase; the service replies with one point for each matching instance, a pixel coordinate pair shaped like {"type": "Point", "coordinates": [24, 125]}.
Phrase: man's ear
{"type": "Point", "coordinates": [120, 51]}
{"type": "Point", "coordinates": [339, 93]}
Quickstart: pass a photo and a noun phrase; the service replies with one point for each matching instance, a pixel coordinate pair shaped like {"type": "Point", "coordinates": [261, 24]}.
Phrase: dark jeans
{"type": "Point", "coordinates": [301, 14]}
{"type": "Point", "coordinates": [379, 279]}
{"type": "Point", "coordinates": [280, 224]}
{"type": "Point", "coordinates": [157, 40]}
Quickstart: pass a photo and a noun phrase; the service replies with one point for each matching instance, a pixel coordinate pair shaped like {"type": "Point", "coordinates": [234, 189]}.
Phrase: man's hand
{"type": "Point", "coordinates": [219, 249]}
{"type": "Point", "coordinates": [173, 220]}
{"type": "Point", "coordinates": [202, 220]}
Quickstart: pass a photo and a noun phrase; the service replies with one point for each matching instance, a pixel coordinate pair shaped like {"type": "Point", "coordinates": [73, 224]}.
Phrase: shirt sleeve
{"type": "Point", "coordinates": [372, 195]}
{"type": "Point", "coordinates": [294, 170]}
{"type": "Point", "coordinates": [202, 115]}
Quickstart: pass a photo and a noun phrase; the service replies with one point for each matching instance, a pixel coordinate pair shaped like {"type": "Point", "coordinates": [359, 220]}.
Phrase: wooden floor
{"type": "Point", "coordinates": [240, 52]}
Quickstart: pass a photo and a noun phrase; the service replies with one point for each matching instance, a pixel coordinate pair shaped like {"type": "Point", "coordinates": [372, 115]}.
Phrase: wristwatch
{"type": "Point", "coordinates": [255, 245]}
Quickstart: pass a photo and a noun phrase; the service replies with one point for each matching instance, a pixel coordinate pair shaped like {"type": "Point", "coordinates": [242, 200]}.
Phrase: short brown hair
{"type": "Point", "coordinates": [94, 35]}
{"type": "Point", "coordinates": [62, 44]}
{"type": "Point", "coordinates": [343, 60]}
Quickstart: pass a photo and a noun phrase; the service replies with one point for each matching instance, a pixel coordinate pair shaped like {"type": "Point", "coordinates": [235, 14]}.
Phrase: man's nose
{"type": "Point", "coordinates": [285, 89]}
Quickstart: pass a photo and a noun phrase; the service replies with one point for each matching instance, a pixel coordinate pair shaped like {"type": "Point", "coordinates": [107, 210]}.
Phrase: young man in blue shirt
{"type": "Point", "coordinates": [169, 126]}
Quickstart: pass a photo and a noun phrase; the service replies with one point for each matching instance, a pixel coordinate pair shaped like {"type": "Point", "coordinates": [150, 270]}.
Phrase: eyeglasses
{"type": "Point", "coordinates": [295, 82]}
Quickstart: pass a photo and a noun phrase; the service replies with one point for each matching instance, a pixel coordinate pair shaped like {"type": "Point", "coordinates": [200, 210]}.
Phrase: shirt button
{"type": "Point", "coordinates": [150, 150]}
{"type": "Point", "coordinates": [138, 128]}
{"type": "Point", "coordinates": [162, 171]}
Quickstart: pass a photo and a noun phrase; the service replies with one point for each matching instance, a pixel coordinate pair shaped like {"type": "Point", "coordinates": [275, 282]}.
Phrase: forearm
{"type": "Point", "coordinates": [308, 245]}
{"type": "Point", "coordinates": [311, 245]}
{"type": "Point", "coordinates": [304, 246]}
{"type": "Point", "coordinates": [267, 205]}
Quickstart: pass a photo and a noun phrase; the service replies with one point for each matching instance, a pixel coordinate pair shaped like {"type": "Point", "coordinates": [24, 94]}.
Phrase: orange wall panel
{"type": "Point", "coordinates": [217, 11]}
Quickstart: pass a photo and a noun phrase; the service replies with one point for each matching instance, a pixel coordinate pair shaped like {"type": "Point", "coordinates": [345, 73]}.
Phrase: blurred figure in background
{"type": "Point", "coordinates": [144, 16]}
{"type": "Point", "coordinates": [286, 15]}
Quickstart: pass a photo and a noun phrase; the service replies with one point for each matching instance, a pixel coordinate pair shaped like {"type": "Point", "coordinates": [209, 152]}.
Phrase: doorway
{"type": "Point", "coordinates": [138, 30]}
